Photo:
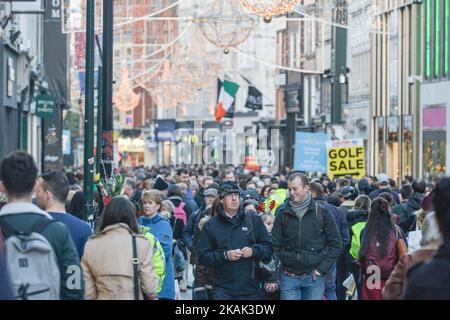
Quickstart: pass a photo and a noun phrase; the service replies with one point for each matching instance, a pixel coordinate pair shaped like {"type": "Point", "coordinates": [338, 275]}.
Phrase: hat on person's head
{"type": "Point", "coordinates": [348, 193]}
{"type": "Point", "coordinates": [211, 192]}
{"type": "Point", "coordinates": [382, 179]}
{"type": "Point", "coordinates": [331, 187]}
{"type": "Point", "coordinates": [213, 186]}
{"type": "Point", "coordinates": [194, 185]}
{"type": "Point", "coordinates": [427, 203]}
{"type": "Point", "coordinates": [228, 188]}
{"type": "Point", "coordinates": [160, 184]}
{"type": "Point", "coordinates": [363, 184]}
{"type": "Point", "coordinates": [250, 194]}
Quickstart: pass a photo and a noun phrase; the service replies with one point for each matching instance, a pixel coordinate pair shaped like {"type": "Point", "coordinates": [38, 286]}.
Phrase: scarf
{"type": "Point", "coordinates": [300, 208]}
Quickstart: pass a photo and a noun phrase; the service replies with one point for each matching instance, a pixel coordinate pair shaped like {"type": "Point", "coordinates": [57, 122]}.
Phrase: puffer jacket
{"type": "Point", "coordinates": [221, 234]}
{"type": "Point", "coordinates": [301, 245]}
{"type": "Point", "coordinates": [107, 267]}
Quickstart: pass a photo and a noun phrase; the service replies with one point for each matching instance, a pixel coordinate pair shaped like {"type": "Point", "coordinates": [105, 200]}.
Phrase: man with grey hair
{"type": "Point", "coordinates": [307, 242]}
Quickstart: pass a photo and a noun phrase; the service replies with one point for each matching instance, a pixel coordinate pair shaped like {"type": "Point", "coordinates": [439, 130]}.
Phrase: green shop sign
{"type": "Point", "coordinates": [45, 106]}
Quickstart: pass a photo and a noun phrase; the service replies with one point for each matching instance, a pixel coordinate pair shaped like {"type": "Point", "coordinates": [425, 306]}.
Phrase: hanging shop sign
{"type": "Point", "coordinates": [45, 106]}
{"type": "Point", "coordinates": [346, 157]}
{"type": "Point", "coordinates": [311, 152]}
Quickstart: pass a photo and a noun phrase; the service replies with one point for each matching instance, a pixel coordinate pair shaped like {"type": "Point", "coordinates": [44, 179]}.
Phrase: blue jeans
{"type": "Point", "coordinates": [304, 287]}
{"type": "Point", "coordinates": [330, 283]}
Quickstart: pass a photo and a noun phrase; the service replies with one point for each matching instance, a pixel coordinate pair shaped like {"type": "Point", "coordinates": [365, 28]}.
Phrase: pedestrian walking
{"type": "Point", "coordinates": [118, 260]}
{"type": "Point", "coordinates": [378, 254]}
{"type": "Point", "coordinates": [307, 242]}
{"type": "Point", "coordinates": [431, 280]}
{"type": "Point", "coordinates": [51, 193]}
{"type": "Point", "coordinates": [232, 243]}
{"type": "Point", "coordinates": [40, 252]}
{"type": "Point", "coordinates": [161, 229]}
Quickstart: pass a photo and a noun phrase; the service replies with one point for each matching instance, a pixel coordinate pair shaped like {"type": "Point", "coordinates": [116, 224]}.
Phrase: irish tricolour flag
{"type": "Point", "coordinates": [227, 95]}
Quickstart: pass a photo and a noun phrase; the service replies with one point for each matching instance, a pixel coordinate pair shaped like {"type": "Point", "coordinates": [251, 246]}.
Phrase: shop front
{"type": "Point", "coordinates": [131, 150]}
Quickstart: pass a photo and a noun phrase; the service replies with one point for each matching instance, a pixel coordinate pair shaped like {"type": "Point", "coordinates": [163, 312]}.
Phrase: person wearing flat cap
{"type": "Point", "coordinates": [232, 243]}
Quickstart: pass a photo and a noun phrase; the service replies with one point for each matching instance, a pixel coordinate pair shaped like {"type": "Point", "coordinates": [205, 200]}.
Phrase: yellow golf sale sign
{"type": "Point", "coordinates": [346, 157]}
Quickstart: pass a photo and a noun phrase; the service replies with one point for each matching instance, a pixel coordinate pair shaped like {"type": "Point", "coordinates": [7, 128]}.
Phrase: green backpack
{"type": "Point", "coordinates": [356, 242]}
{"type": "Point", "coordinates": [159, 261]}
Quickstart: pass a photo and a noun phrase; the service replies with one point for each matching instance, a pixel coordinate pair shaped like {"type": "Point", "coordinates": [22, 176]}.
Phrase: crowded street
{"type": "Point", "coordinates": [224, 150]}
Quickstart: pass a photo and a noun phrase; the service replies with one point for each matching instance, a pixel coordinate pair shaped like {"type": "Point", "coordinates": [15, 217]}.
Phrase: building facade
{"type": "Point", "coordinates": [395, 99]}
{"type": "Point", "coordinates": [21, 78]}
{"type": "Point", "coordinates": [434, 90]}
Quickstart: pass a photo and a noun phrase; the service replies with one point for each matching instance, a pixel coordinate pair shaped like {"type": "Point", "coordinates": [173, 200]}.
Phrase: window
{"type": "Point", "coordinates": [434, 122]}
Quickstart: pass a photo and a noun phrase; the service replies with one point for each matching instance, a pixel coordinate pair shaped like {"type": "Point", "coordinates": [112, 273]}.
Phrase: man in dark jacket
{"type": "Point", "coordinates": [384, 188]}
{"type": "Point", "coordinates": [307, 242]}
{"type": "Point", "coordinates": [431, 280]}
{"type": "Point", "coordinates": [339, 272]}
{"type": "Point", "coordinates": [18, 174]}
{"type": "Point", "coordinates": [407, 216]}
{"type": "Point", "coordinates": [232, 243]}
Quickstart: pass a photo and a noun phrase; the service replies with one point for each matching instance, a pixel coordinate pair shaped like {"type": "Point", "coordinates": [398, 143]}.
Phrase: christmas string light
{"type": "Point", "coordinates": [269, 8]}
{"type": "Point", "coordinates": [226, 25]}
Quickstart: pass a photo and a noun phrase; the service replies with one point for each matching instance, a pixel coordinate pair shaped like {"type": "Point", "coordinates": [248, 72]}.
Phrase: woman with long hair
{"type": "Point", "coordinates": [378, 254]}
{"type": "Point", "coordinates": [108, 257]}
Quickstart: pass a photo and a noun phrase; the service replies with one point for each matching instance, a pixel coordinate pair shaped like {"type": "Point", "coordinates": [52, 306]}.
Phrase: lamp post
{"type": "Point", "coordinates": [89, 160]}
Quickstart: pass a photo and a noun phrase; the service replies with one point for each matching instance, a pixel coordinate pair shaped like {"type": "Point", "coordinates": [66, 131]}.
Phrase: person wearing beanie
{"type": "Point", "coordinates": [161, 185]}
{"type": "Point", "coordinates": [232, 243]}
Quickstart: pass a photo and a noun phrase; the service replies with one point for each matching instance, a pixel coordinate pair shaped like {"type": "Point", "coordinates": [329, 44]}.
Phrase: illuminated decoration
{"type": "Point", "coordinates": [125, 100]}
{"type": "Point", "coordinates": [195, 66]}
{"type": "Point", "coordinates": [174, 86]}
{"type": "Point", "coordinates": [226, 25]}
{"type": "Point", "coordinates": [269, 8]}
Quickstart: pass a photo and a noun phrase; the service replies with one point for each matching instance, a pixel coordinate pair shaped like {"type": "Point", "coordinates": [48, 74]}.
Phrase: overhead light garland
{"type": "Point", "coordinates": [226, 25]}
{"type": "Point", "coordinates": [125, 100]}
{"type": "Point", "coordinates": [269, 8]}
{"type": "Point", "coordinates": [195, 65]}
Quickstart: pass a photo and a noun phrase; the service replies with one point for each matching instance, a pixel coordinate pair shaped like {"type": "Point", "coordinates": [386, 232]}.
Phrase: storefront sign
{"type": "Point", "coordinates": [45, 106]}
{"type": "Point", "coordinates": [131, 145]}
{"type": "Point", "coordinates": [164, 130]}
{"type": "Point", "coordinates": [27, 6]}
{"type": "Point", "coordinates": [311, 152]}
{"type": "Point", "coordinates": [346, 157]}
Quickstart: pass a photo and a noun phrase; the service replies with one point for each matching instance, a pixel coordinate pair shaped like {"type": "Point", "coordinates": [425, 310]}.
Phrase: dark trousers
{"type": "Point", "coordinates": [342, 273]}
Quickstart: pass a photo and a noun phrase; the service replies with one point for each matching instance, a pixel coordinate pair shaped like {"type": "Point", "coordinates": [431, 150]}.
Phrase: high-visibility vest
{"type": "Point", "coordinates": [279, 196]}
{"type": "Point", "coordinates": [356, 236]}
{"type": "Point", "coordinates": [159, 261]}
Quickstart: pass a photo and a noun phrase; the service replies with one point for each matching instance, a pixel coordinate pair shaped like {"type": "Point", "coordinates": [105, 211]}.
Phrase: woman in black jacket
{"type": "Point", "coordinates": [359, 214]}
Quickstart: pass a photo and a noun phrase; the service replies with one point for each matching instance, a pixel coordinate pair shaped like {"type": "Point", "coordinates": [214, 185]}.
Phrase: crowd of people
{"type": "Point", "coordinates": [244, 235]}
